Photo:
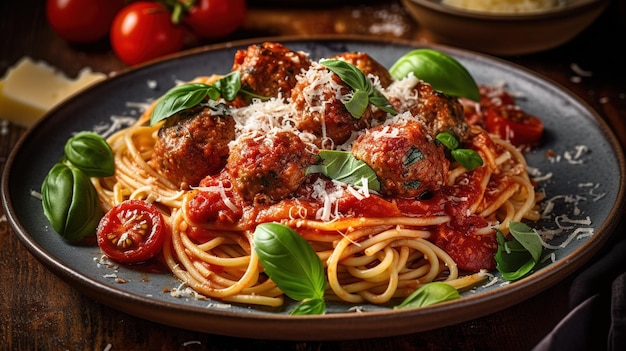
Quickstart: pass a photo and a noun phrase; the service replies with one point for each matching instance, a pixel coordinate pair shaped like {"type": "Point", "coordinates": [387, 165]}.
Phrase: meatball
{"type": "Point", "coordinates": [269, 68]}
{"type": "Point", "coordinates": [193, 144]}
{"type": "Point", "coordinates": [407, 162]}
{"type": "Point", "coordinates": [367, 65]}
{"type": "Point", "coordinates": [320, 110]}
{"type": "Point", "coordinates": [268, 167]}
{"type": "Point", "coordinates": [438, 111]}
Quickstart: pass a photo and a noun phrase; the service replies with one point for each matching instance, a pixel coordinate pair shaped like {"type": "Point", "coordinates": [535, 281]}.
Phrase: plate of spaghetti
{"type": "Point", "coordinates": [253, 180]}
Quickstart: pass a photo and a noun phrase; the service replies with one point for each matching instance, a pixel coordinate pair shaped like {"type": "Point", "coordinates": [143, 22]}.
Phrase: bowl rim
{"type": "Point", "coordinates": [569, 9]}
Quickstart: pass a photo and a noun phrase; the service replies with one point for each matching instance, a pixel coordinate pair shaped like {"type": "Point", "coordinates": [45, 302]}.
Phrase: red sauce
{"type": "Point", "coordinates": [458, 238]}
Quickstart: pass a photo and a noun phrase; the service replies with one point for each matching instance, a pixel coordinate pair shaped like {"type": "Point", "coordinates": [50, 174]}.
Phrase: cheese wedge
{"type": "Point", "coordinates": [30, 89]}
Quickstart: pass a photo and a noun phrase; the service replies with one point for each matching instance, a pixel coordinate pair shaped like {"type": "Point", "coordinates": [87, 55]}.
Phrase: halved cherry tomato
{"type": "Point", "coordinates": [513, 124]}
{"type": "Point", "coordinates": [82, 21]}
{"type": "Point", "coordinates": [215, 18]}
{"type": "Point", "coordinates": [131, 232]}
{"type": "Point", "coordinates": [143, 31]}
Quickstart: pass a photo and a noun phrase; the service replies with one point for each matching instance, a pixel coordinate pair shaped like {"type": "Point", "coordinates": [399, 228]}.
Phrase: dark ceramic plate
{"type": "Point", "coordinates": [593, 177]}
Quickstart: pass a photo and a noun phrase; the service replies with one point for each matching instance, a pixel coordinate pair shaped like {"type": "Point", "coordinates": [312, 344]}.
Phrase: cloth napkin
{"type": "Point", "coordinates": [597, 301]}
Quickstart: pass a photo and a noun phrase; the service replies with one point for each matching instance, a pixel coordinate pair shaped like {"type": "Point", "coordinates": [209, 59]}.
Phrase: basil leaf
{"type": "Point", "coordinates": [70, 202]}
{"type": "Point", "coordinates": [229, 85]}
{"type": "Point", "coordinates": [310, 306]}
{"type": "Point", "coordinates": [363, 88]}
{"type": "Point", "coordinates": [357, 104]}
{"type": "Point", "coordinates": [90, 152]}
{"type": "Point", "coordinates": [179, 98]}
{"type": "Point", "coordinates": [430, 294]}
{"type": "Point", "coordinates": [448, 140]}
{"type": "Point", "coordinates": [290, 261]}
{"type": "Point", "coordinates": [344, 167]}
{"type": "Point", "coordinates": [441, 71]}
{"type": "Point", "coordinates": [515, 258]}
{"type": "Point", "coordinates": [468, 158]}
{"type": "Point", "coordinates": [379, 100]}
{"type": "Point", "coordinates": [349, 73]}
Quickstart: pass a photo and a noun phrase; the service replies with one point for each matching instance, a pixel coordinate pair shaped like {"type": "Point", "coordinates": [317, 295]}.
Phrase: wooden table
{"type": "Point", "coordinates": [39, 311]}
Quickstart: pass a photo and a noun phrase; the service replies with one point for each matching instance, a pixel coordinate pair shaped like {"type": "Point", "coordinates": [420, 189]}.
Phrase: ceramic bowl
{"type": "Point", "coordinates": [505, 34]}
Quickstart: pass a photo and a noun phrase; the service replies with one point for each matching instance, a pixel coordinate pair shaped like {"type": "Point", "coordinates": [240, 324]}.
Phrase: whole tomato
{"type": "Point", "coordinates": [143, 31]}
{"type": "Point", "coordinates": [215, 18]}
{"type": "Point", "coordinates": [82, 21]}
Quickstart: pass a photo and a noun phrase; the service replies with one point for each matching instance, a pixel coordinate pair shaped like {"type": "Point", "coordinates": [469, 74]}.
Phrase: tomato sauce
{"type": "Point", "coordinates": [213, 203]}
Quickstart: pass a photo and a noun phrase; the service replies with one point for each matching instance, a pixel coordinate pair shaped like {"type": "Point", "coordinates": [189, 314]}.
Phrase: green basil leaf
{"type": "Point", "coordinates": [70, 202]}
{"type": "Point", "coordinates": [448, 140]}
{"type": "Point", "coordinates": [468, 158]}
{"type": "Point", "coordinates": [179, 98]}
{"type": "Point", "coordinates": [289, 261]}
{"type": "Point", "coordinates": [344, 167]}
{"type": "Point", "coordinates": [357, 103]}
{"type": "Point", "coordinates": [229, 85]}
{"type": "Point", "coordinates": [430, 294]}
{"type": "Point", "coordinates": [348, 73]}
{"type": "Point", "coordinates": [363, 88]}
{"type": "Point", "coordinates": [441, 71]}
{"type": "Point", "coordinates": [379, 100]}
{"type": "Point", "coordinates": [90, 152]}
{"type": "Point", "coordinates": [528, 238]}
{"type": "Point", "coordinates": [310, 306]}
{"type": "Point", "coordinates": [517, 257]}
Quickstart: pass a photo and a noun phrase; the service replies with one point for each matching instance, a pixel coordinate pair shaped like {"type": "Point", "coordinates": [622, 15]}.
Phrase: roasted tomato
{"type": "Point", "coordinates": [131, 232]}
{"type": "Point", "coordinates": [511, 123]}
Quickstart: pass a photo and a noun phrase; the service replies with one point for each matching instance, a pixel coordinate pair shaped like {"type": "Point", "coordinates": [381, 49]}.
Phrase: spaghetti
{"type": "Point", "coordinates": [374, 246]}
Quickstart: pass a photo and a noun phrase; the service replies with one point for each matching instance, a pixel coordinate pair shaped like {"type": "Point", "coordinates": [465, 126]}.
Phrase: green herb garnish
{"type": "Point", "coordinates": [441, 71]}
{"type": "Point", "coordinates": [90, 152]}
{"type": "Point", "coordinates": [430, 294]}
{"type": "Point", "coordinates": [69, 199]}
{"type": "Point", "coordinates": [292, 264]}
{"type": "Point", "coordinates": [364, 91]}
{"type": "Point", "coordinates": [468, 158]}
{"type": "Point", "coordinates": [515, 258]}
{"type": "Point", "coordinates": [344, 167]}
{"type": "Point", "coordinates": [186, 96]}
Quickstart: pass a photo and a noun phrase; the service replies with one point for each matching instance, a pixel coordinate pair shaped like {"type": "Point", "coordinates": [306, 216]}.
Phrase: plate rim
{"type": "Point", "coordinates": [229, 323]}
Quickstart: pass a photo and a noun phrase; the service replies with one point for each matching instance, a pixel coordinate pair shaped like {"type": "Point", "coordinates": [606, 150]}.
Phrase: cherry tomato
{"type": "Point", "coordinates": [143, 31]}
{"type": "Point", "coordinates": [215, 18]}
{"type": "Point", "coordinates": [82, 21]}
{"type": "Point", "coordinates": [131, 232]}
{"type": "Point", "coordinates": [512, 124]}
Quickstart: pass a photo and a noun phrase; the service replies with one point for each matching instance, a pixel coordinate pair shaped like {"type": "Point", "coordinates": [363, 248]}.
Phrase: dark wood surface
{"type": "Point", "coordinates": [38, 311]}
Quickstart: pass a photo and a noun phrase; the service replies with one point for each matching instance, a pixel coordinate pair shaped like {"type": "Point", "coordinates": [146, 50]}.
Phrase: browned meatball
{"type": "Point", "coordinates": [320, 111]}
{"type": "Point", "coordinates": [367, 65]}
{"type": "Point", "coordinates": [407, 162]}
{"type": "Point", "coordinates": [438, 111]}
{"type": "Point", "coordinates": [193, 144]}
{"type": "Point", "coordinates": [270, 166]}
{"type": "Point", "coordinates": [269, 68]}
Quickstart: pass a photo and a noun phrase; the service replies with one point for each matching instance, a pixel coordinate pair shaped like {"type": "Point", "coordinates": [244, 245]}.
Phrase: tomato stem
{"type": "Point", "coordinates": [178, 8]}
